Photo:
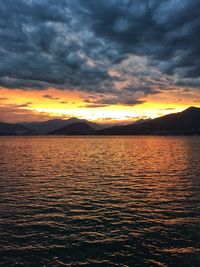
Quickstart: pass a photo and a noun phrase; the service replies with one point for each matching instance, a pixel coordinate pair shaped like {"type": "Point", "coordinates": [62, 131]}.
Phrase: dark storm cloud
{"type": "Point", "coordinates": [124, 97]}
{"type": "Point", "coordinates": [73, 44]}
{"type": "Point", "coordinates": [167, 31]}
{"type": "Point", "coordinates": [123, 100]}
{"type": "Point", "coordinates": [41, 47]}
{"type": "Point", "coordinates": [188, 82]}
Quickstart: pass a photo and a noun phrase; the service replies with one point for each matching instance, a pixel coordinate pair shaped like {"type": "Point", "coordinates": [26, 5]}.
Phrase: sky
{"type": "Point", "coordinates": [103, 60]}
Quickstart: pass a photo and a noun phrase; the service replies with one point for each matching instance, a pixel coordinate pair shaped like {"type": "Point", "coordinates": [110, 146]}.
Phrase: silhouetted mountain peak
{"type": "Point", "coordinates": [46, 127]}
{"type": "Point", "coordinates": [185, 122]}
{"type": "Point", "coordinates": [78, 128]}
{"type": "Point", "coordinates": [191, 109]}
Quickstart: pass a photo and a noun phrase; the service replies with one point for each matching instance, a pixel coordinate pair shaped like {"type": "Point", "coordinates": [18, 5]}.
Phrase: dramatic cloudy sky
{"type": "Point", "coordinates": [103, 60]}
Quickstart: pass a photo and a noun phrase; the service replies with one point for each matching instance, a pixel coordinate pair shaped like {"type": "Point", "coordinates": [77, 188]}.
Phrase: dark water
{"type": "Point", "coordinates": [100, 201]}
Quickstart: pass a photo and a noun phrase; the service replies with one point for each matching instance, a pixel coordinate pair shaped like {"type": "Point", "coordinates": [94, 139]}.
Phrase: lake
{"type": "Point", "coordinates": [100, 201]}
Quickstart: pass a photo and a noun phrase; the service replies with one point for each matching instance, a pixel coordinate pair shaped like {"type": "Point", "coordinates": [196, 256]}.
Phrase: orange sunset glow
{"type": "Point", "coordinates": [20, 105]}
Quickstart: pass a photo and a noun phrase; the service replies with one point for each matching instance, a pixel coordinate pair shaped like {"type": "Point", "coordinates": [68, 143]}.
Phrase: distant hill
{"type": "Point", "coordinates": [185, 122]}
{"type": "Point", "coordinates": [14, 129]}
{"type": "Point", "coordinates": [79, 128]}
{"type": "Point", "coordinates": [52, 125]}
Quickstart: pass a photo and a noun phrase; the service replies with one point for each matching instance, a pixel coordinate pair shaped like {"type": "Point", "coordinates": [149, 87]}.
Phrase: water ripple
{"type": "Point", "coordinates": [100, 201]}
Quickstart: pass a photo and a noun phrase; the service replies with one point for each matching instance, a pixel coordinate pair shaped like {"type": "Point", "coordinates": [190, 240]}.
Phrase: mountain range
{"type": "Point", "coordinates": [186, 122]}
{"type": "Point", "coordinates": [14, 129]}
{"type": "Point", "coordinates": [46, 127]}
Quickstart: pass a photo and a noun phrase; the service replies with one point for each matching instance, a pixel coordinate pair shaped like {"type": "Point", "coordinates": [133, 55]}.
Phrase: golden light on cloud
{"type": "Point", "coordinates": [54, 103]}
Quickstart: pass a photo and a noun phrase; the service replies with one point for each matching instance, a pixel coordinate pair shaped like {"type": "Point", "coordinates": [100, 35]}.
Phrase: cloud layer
{"type": "Point", "coordinates": [119, 50]}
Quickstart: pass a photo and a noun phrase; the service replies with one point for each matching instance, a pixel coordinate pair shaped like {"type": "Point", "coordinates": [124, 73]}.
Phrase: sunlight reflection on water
{"type": "Point", "coordinates": [100, 201]}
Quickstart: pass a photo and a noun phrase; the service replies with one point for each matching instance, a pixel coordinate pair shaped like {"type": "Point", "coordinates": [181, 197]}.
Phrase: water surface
{"type": "Point", "coordinates": [100, 201]}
